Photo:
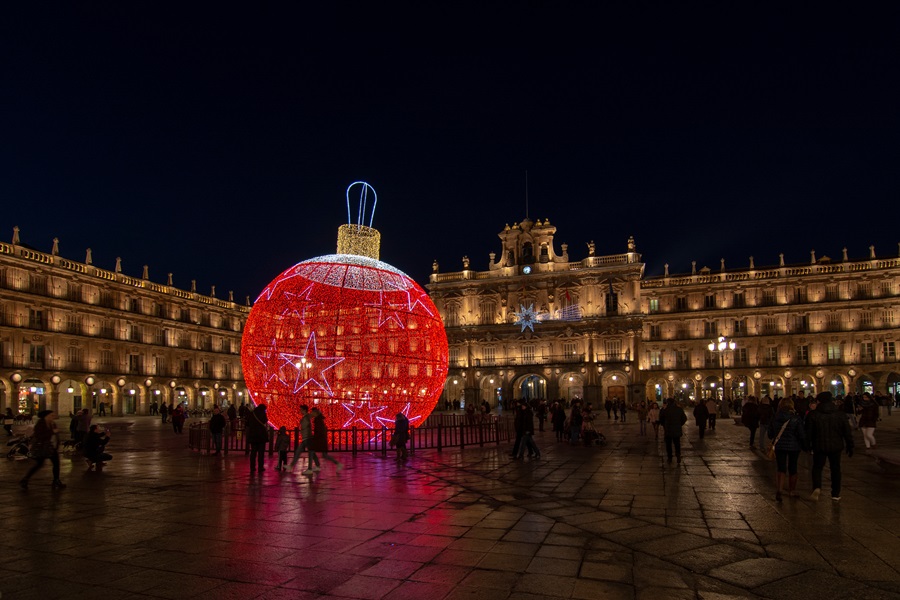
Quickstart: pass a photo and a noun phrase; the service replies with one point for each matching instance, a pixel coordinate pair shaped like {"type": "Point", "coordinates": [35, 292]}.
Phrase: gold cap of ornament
{"type": "Point", "coordinates": [356, 238]}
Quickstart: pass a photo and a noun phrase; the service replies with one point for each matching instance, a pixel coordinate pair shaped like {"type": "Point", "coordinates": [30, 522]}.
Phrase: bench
{"type": "Point", "coordinates": [886, 458]}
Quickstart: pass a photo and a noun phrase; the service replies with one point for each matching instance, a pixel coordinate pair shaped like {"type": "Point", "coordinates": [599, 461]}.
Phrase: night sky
{"type": "Point", "coordinates": [217, 144]}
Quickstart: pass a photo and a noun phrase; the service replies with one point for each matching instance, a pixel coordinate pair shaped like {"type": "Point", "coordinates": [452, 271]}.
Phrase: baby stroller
{"type": "Point", "coordinates": [18, 448]}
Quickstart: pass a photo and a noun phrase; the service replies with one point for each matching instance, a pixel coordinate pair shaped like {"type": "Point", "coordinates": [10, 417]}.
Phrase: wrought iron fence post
{"type": "Point", "coordinates": [462, 437]}
{"type": "Point", "coordinates": [440, 436]}
{"type": "Point", "coordinates": [353, 441]}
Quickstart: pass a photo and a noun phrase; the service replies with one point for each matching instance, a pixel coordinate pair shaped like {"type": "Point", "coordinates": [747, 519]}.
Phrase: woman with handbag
{"type": "Point", "coordinates": [789, 437]}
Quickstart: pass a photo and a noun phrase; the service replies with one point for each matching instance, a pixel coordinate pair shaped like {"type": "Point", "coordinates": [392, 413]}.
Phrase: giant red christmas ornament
{"type": "Point", "coordinates": [348, 333]}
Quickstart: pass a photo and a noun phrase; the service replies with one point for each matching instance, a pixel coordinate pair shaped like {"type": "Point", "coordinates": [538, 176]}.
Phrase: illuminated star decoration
{"type": "Point", "coordinates": [310, 369]}
{"type": "Point", "coordinates": [364, 412]}
{"type": "Point", "coordinates": [527, 317]}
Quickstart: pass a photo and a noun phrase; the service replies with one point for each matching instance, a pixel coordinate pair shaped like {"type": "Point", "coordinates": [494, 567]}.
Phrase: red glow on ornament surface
{"type": "Point", "coordinates": [349, 334]}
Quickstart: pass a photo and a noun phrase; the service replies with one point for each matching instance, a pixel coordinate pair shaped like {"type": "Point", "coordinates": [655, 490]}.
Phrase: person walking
{"type": "Point", "coordinates": [713, 407]}
{"type": "Point", "coordinates": [868, 418]}
{"type": "Point", "coordinates": [653, 418]}
{"type": "Point", "coordinates": [257, 430]}
{"type": "Point", "coordinates": [178, 419]}
{"type": "Point", "coordinates": [232, 415]}
{"type": "Point", "coordinates": [401, 436]}
{"type": "Point", "coordinates": [642, 417]}
{"type": "Point", "coordinates": [320, 439]}
{"type": "Point", "coordinates": [701, 417]}
{"type": "Point", "coordinates": [164, 412]}
{"type": "Point", "coordinates": [623, 408]}
{"type": "Point", "coordinates": [306, 442]}
{"type": "Point", "coordinates": [828, 432]}
{"type": "Point", "coordinates": [672, 418]}
{"type": "Point", "coordinates": [216, 428]}
{"type": "Point", "coordinates": [282, 444]}
{"type": "Point", "coordinates": [750, 418]}
{"type": "Point", "coordinates": [44, 445]}
{"type": "Point", "coordinates": [789, 434]}
{"type": "Point", "coordinates": [608, 405]}
{"type": "Point", "coordinates": [558, 419]}
{"type": "Point", "coordinates": [576, 421]}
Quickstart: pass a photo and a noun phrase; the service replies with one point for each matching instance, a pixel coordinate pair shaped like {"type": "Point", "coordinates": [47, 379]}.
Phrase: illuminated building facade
{"type": "Point", "coordinates": [73, 335]}
{"type": "Point", "coordinates": [536, 324]}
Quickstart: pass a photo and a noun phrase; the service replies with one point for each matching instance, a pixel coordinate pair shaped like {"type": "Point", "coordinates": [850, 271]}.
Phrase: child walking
{"type": "Point", "coordinates": [282, 443]}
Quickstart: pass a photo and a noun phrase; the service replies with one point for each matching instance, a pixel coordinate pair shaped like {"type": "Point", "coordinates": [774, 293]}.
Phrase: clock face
{"type": "Point", "coordinates": [526, 270]}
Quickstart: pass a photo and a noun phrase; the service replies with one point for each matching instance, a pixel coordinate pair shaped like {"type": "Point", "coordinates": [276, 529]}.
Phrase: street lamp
{"type": "Point", "coordinates": [721, 346]}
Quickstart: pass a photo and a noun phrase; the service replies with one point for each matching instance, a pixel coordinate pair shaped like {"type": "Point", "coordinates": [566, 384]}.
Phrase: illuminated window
{"type": "Point", "coordinates": [490, 354]}
{"type": "Point", "coordinates": [866, 351]}
{"type": "Point", "coordinates": [655, 358]}
{"type": "Point", "coordinates": [654, 305]}
{"type": "Point", "coordinates": [528, 354]}
{"type": "Point", "coordinates": [570, 348]}
{"type": "Point", "coordinates": [834, 351]}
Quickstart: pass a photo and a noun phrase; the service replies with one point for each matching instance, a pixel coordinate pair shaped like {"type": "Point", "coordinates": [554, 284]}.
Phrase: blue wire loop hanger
{"type": "Point", "coordinates": [357, 238]}
{"type": "Point", "coordinates": [363, 200]}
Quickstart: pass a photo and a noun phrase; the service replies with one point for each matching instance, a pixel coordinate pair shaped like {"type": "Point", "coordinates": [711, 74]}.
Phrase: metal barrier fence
{"type": "Point", "coordinates": [439, 431]}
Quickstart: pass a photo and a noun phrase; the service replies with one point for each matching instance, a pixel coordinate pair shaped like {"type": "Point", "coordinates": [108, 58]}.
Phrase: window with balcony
{"type": "Point", "coordinates": [73, 323]}
{"type": "Point", "coordinates": [614, 350]}
{"type": "Point", "coordinates": [206, 369]}
{"type": "Point", "coordinates": [771, 357]}
{"type": "Point", "coordinates": [739, 300]}
{"type": "Point", "coordinates": [770, 325]}
{"type": "Point", "coordinates": [768, 297]}
{"type": "Point", "coordinates": [36, 319]}
{"type": "Point", "coordinates": [681, 303]}
{"type": "Point", "coordinates": [710, 329]}
{"type": "Point", "coordinates": [488, 312]}
{"type": "Point", "coordinates": [452, 315]}
{"type": "Point", "coordinates": [36, 356]}
{"type": "Point", "coordinates": [709, 301]}
{"type": "Point", "coordinates": [454, 356]}
{"type": "Point", "coordinates": [135, 364]}
{"type": "Point", "coordinates": [835, 351]}
{"type": "Point", "coordinates": [740, 326]}
{"type": "Point", "coordinates": [655, 332]}
{"type": "Point", "coordinates": [802, 355]}
{"type": "Point", "coordinates": [226, 370]}
{"type": "Point", "coordinates": [682, 359]}
{"type": "Point", "coordinates": [864, 290]}
{"type": "Point", "coordinates": [834, 321]}
{"type": "Point", "coordinates": [887, 318]}
{"type": "Point", "coordinates": [865, 319]}
{"type": "Point", "coordinates": [887, 288]}
{"type": "Point", "coordinates": [106, 359]}
{"type": "Point", "coordinates": [74, 358]}
{"type": "Point", "coordinates": [800, 295]}
{"type": "Point", "coordinates": [528, 354]}
{"type": "Point", "coordinates": [186, 368]}
{"type": "Point", "coordinates": [801, 323]}
{"type": "Point", "coordinates": [655, 359]}
{"type": "Point", "coordinates": [890, 352]}
{"type": "Point", "coordinates": [711, 360]}
{"type": "Point", "coordinates": [740, 358]}
{"type": "Point", "coordinates": [162, 365]}
{"type": "Point", "coordinates": [866, 352]}
{"type": "Point", "coordinates": [831, 293]}
{"type": "Point", "coordinates": [489, 354]}
{"type": "Point", "coordinates": [654, 305]}
{"type": "Point", "coordinates": [570, 349]}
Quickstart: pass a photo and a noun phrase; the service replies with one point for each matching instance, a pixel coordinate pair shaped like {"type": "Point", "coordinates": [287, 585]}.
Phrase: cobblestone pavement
{"type": "Point", "coordinates": [162, 521]}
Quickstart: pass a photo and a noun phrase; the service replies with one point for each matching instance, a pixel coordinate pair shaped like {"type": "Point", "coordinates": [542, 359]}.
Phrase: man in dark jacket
{"type": "Point", "coordinates": [216, 427]}
{"type": "Point", "coordinates": [257, 429]}
{"type": "Point", "coordinates": [828, 432]}
{"type": "Point", "coordinates": [672, 418]}
{"type": "Point", "coordinates": [701, 416]}
{"type": "Point", "coordinates": [750, 417]}
{"type": "Point", "coordinates": [524, 425]}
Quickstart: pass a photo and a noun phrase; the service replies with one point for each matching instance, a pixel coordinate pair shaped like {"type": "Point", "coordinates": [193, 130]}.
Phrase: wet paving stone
{"type": "Point", "coordinates": [163, 521]}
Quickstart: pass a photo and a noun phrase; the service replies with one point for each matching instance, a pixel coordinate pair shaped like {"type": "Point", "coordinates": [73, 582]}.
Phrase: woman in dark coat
{"type": "Point", "coordinates": [320, 439]}
{"type": "Point", "coordinates": [750, 417]}
{"type": "Point", "coordinates": [558, 418]}
{"type": "Point", "coordinates": [701, 416]}
{"type": "Point", "coordinates": [790, 430]}
{"type": "Point", "coordinates": [401, 435]}
{"type": "Point", "coordinates": [257, 429]}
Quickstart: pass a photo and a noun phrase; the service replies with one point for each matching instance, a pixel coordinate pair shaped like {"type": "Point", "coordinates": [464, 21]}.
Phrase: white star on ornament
{"type": "Point", "coordinates": [527, 317]}
{"type": "Point", "coordinates": [270, 289]}
{"type": "Point", "coordinates": [306, 306]}
{"type": "Point", "coordinates": [413, 297]}
{"type": "Point", "coordinates": [387, 312]}
{"type": "Point", "coordinates": [389, 422]}
{"type": "Point", "coordinates": [364, 412]}
{"type": "Point", "coordinates": [310, 368]}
